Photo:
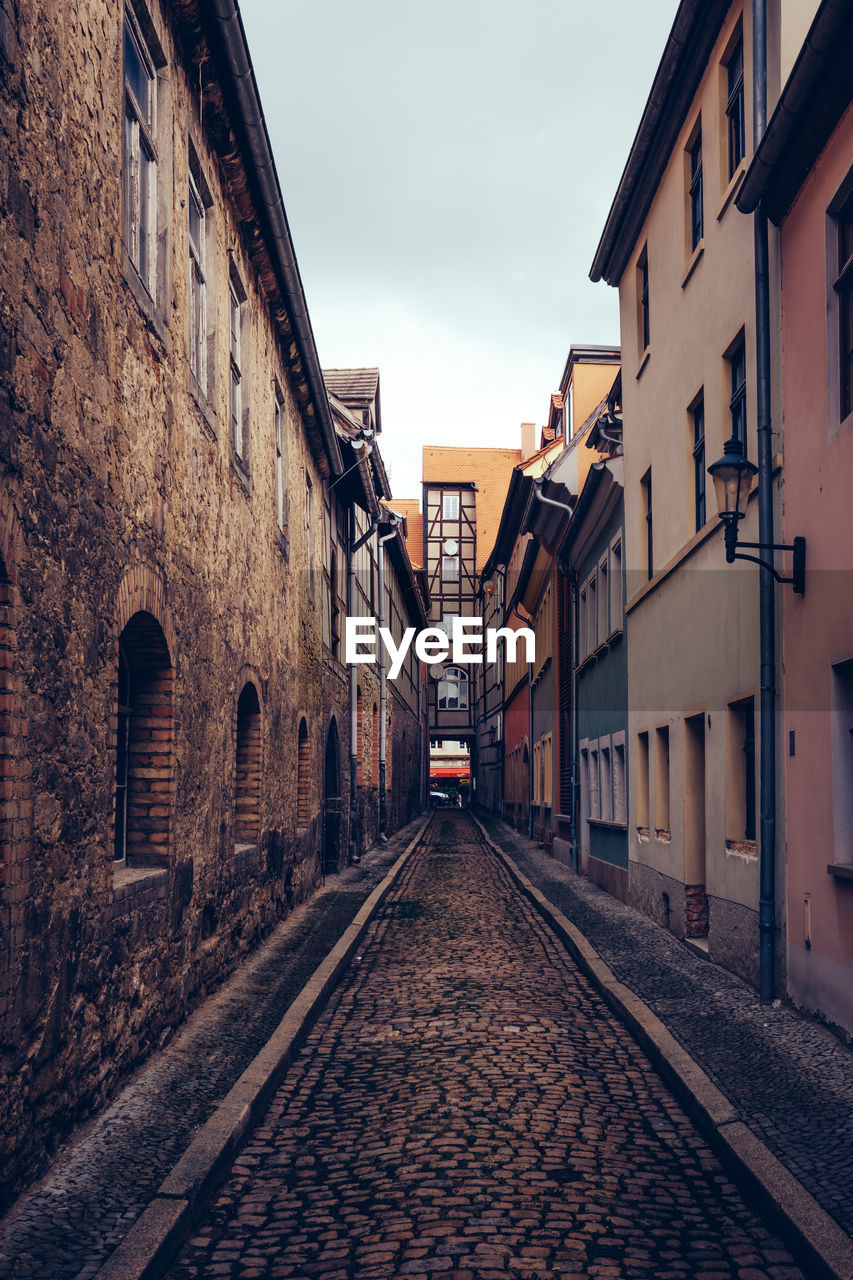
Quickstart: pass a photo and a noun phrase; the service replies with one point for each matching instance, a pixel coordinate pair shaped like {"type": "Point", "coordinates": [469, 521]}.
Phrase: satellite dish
{"type": "Point", "coordinates": [436, 671]}
{"type": "Point", "coordinates": [451, 546]}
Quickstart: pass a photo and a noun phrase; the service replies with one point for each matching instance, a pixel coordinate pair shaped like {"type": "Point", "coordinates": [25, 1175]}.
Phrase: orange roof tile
{"type": "Point", "coordinates": [410, 508]}
{"type": "Point", "coordinates": [489, 469]}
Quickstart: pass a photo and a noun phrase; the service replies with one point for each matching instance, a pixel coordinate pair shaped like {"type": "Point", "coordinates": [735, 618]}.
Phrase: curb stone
{"type": "Point", "coordinates": [155, 1237]}
{"type": "Point", "coordinates": [814, 1236]}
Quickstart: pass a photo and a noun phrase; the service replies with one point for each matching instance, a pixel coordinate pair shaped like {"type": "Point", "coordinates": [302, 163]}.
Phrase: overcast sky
{"type": "Point", "coordinates": [446, 171]}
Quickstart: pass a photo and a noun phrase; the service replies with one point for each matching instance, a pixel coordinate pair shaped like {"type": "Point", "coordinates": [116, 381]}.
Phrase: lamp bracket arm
{"type": "Point", "coordinates": [765, 564]}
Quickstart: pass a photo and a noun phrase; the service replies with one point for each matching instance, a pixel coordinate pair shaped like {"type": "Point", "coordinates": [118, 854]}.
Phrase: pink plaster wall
{"type": "Point", "coordinates": [817, 629]}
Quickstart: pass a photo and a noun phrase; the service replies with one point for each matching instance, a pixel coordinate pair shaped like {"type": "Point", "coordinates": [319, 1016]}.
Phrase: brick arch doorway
{"type": "Point", "coordinates": [332, 801]}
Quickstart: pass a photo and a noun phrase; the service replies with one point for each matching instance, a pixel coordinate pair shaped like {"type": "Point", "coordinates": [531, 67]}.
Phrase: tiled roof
{"type": "Point", "coordinates": [409, 507]}
{"type": "Point", "coordinates": [489, 469]}
{"type": "Point", "coordinates": [352, 384]}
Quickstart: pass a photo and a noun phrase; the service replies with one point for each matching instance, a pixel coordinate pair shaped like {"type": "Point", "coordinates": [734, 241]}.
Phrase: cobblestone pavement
{"type": "Point", "coordinates": [66, 1225]}
{"type": "Point", "coordinates": [468, 1106]}
{"type": "Point", "coordinates": [790, 1079]}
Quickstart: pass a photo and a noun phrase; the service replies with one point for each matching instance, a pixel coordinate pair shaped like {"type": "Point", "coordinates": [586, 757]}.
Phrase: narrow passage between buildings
{"type": "Point", "coordinates": [468, 1106]}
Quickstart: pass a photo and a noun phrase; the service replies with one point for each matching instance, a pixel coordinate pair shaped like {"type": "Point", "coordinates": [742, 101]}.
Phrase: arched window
{"type": "Point", "coordinates": [359, 741]}
{"type": "Point", "coordinates": [247, 783]}
{"type": "Point", "coordinates": [144, 745]}
{"type": "Point", "coordinates": [375, 764]}
{"type": "Point", "coordinates": [453, 690]}
{"type": "Point", "coordinates": [303, 777]}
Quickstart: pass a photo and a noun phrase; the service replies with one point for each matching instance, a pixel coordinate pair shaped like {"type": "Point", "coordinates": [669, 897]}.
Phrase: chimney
{"type": "Point", "coordinates": [528, 440]}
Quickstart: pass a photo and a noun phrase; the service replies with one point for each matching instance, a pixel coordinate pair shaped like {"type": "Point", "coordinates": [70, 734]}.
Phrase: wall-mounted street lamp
{"type": "Point", "coordinates": [733, 476]}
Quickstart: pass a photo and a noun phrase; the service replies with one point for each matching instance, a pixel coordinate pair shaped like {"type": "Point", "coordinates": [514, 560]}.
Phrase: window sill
{"type": "Point", "coordinates": [841, 870]}
{"type": "Point", "coordinates": [644, 360]}
{"type": "Point", "coordinates": [205, 408]}
{"type": "Point", "coordinates": [694, 261]}
{"type": "Point", "coordinates": [732, 189]}
{"type": "Point", "coordinates": [747, 850]}
{"type": "Point", "coordinates": [135, 887]}
{"type": "Point", "coordinates": [607, 824]}
{"type": "Point", "coordinates": [152, 316]}
{"type": "Point", "coordinates": [241, 473]}
{"type": "Point", "coordinates": [663, 835]}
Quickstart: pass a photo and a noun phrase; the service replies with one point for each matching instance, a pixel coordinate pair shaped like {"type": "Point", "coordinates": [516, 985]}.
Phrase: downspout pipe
{"type": "Point", "coordinates": [383, 685]}
{"type": "Point", "coordinates": [354, 547]}
{"type": "Point", "coordinates": [767, 589]}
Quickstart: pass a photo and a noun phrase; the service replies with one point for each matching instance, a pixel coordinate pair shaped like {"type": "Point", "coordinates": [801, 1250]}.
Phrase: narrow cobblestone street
{"type": "Point", "coordinates": [468, 1106]}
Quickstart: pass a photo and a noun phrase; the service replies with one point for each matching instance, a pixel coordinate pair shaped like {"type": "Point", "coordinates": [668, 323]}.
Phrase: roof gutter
{"type": "Point", "coordinates": [235, 48]}
{"type": "Point", "coordinates": [683, 61]}
{"type": "Point", "coordinates": [805, 76]}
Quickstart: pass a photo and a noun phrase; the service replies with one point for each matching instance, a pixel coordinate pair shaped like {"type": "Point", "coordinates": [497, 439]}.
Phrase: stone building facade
{"type": "Point", "coordinates": [165, 443]}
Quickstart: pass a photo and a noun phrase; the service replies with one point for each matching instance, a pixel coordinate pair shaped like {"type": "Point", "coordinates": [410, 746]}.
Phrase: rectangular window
{"type": "Point", "coordinates": [450, 506]}
{"type": "Point", "coordinates": [236, 327]}
{"type": "Point", "coordinates": [843, 286]}
{"type": "Point", "coordinates": [735, 109]}
{"type": "Point", "coordinates": [592, 615]}
{"type": "Point", "coordinates": [741, 806]}
{"type": "Point", "coordinates": [594, 792]}
{"type": "Point", "coordinates": [584, 796]}
{"type": "Point", "coordinates": [450, 568]}
{"type": "Point", "coordinates": [140, 153]}
{"type": "Point", "coordinates": [619, 792]}
{"type": "Point", "coordinates": [309, 516]}
{"type": "Point", "coordinates": [697, 413]}
{"type": "Point", "coordinates": [662, 780]}
{"type": "Point", "coordinates": [582, 615]}
{"type": "Point", "coordinates": [281, 466]}
{"type": "Point", "coordinates": [615, 582]}
{"type": "Point", "coordinates": [603, 602]}
{"type": "Point", "coordinates": [606, 785]}
{"type": "Point", "coordinates": [643, 781]}
{"type": "Point", "coordinates": [697, 224]}
{"type": "Point", "coordinates": [643, 298]}
{"type": "Point", "coordinates": [646, 492]}
{"type": "Point", "coordinates": [198, 284]}
{"type": "Point", "coordinates": [737, 404]}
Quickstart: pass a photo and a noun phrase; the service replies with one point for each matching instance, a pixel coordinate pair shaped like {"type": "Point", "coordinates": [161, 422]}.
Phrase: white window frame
{"type": "Point", "coordinates": [280, 462]}
{"type": "Point", "coordinates": [140, 149]}
{"type": "Point", "coordinates": [605, 780]}
{"type": "Point", "coordinates": [453, 678]}
{"type": "Point", "coordinates": [594, 783]}
{"type": "Point", "coordinates": [235, 328]}
{"type": "Point", "coordinates": [603, 595]}
{"type": "Point", "coordinates": [198, 284]}
{"type": "Point", "coordinates": [450, 500]}
{"type": "Point", "coordinates": [450, 568]}
{"type": "Point", "coordinates": [620, 778]}
{"type": "Point", "coordinates": [615, 585]}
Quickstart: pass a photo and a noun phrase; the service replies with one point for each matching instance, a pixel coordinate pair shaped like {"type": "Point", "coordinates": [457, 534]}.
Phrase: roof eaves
{"type": "Point", "coordinates": [257, 154]}
{"type": "Point", "coordinates": [682, 65]}
{"type": "Point", "coordinates": [815, 96]}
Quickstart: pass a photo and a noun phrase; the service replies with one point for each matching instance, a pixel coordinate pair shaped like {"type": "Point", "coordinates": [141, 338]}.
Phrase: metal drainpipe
{"type": "Point", "coordinates": [383, 687]}
{"type": "Point", "coordinates": [353, 682]}
{"type": "Point", "coordinates": [767, 589]}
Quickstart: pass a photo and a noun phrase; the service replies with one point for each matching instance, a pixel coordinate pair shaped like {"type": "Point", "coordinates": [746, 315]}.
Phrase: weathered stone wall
{"type": "Point", "coordinates": [120, 492]}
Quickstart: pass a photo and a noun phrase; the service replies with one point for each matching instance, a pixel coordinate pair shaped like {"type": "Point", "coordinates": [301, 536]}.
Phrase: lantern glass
{"type": "Point", "coordinates": [734, 476]}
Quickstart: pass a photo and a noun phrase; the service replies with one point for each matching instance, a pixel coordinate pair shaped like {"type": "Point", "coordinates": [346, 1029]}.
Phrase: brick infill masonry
{"type": "Point", "coordinates": [66, 1225]}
